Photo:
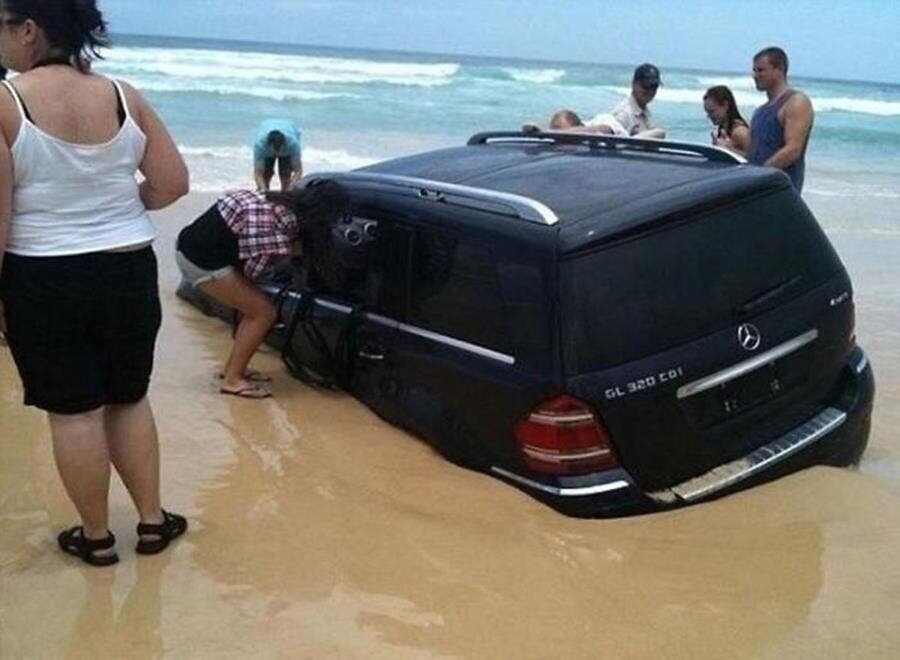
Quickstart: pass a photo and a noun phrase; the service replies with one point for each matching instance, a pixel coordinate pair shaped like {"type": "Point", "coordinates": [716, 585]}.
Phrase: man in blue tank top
{"type": "Point", "coordinates": [779, 130]}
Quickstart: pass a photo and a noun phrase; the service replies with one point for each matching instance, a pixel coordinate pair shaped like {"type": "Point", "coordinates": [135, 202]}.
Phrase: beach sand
{"type": "Point", "coordinates": [320, 531]}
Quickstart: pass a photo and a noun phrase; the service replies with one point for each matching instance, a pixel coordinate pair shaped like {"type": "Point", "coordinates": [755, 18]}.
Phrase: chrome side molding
{"type": "Point", "coordinates": [436, 337]}
{"type": "Point", "coordinates": [735, 371]}
{"type": "Point", "coordinates": [456, 343]}
{"type": "Point", "coordinates": [726, 475]}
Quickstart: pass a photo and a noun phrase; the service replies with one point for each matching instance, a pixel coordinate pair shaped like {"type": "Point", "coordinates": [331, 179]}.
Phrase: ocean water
{"type": "Point", "coordinates": [357, 107]}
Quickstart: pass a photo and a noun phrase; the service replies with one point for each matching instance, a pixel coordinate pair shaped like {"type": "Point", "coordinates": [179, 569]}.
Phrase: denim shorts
{"type": "Point", "coordinates": [195, 274]}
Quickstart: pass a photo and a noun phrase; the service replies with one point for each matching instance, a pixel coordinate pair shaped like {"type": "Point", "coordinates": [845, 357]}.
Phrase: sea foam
{"type": "Point", "coordinates": [756, 99]}
{"type": "Point", "coordinates": [224, 89]}
{"type": "Point", "coordinates": [215, 168]}
{"type": "Point", "coordinates": [536, 76]}
{"type": "Point", "coordinates": [254, 67]}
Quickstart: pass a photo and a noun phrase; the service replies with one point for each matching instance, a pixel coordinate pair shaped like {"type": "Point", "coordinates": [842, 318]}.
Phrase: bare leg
{"type": "Point", "coordinates": [262, 178]}
{"type": "Point", "coordinates": [258, 315]}
{"type": "Point", "coordinates": [134, 450]}
{"type": "Point", "coordinates": [82, 459]}
{"type": "Point", "coordinates": [285, 173]}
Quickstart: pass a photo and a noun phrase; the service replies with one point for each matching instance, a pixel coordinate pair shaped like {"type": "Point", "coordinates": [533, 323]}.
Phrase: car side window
{"type": "Point", "coordinates": [388, 272]}
{"type": "Point", "coordinates": [454, 289]}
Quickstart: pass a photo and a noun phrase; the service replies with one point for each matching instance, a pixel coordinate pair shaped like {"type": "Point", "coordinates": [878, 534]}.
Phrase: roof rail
{"type": "Point", "coordinates": [483, 199]}
{"type": "Point", "coordinates": [612, 142]}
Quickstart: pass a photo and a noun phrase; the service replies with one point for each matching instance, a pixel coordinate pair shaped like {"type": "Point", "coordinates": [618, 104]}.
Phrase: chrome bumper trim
{"type": "Point", "coordinates": [860, 366]}
{"type": "Point", "coordinates": [731, 473]}
{"type": "Point", "coordinates": [597, 489]}
{"type": "Point", "coordinates": [743, 368]}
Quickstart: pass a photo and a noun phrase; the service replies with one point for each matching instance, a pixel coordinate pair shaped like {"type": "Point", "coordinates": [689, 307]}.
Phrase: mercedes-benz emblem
{"type": "Point", "coordinates": [749, 336]}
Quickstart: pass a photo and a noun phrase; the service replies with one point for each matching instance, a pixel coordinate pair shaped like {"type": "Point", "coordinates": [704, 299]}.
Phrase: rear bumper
{"type": "Point", "coordinates": [837, 435]}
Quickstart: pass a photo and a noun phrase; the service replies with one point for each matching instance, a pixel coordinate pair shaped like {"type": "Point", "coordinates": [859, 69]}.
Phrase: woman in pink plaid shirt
{"type": "Point", "coordinates": [232, 244]}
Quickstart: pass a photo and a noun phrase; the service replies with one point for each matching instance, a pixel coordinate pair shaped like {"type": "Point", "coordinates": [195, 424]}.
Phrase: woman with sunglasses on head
{"type": "Point", "coordinates": [731, 131]}
{"type": "Point", "coordinates": [78, 285]}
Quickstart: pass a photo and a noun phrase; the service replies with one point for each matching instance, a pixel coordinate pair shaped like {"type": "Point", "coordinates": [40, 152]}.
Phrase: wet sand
{"type": "Point", "coordinates": [320, 531]}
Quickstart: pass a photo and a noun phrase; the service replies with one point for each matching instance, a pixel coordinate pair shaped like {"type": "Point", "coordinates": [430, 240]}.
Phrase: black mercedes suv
{"type": "Point", "coordinates": [613, 325]}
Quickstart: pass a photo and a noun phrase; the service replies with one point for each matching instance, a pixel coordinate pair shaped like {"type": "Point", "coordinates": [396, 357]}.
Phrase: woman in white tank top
{"type": "Point", "coordinates": [78, 294]}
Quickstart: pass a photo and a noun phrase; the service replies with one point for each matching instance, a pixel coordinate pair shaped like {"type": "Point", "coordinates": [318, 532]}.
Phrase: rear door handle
{"type": "Point", "coordinates": [371, 353]}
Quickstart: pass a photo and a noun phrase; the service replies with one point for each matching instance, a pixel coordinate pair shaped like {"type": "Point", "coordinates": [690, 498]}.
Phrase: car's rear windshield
{"type": "Point", "coordinates": [636, 297]}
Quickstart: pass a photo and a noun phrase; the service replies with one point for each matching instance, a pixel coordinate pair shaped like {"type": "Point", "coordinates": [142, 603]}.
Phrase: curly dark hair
{"type": "Point", "coordinates": [319, 207]}
{"type": "Point", "coordinates": [321, 202]}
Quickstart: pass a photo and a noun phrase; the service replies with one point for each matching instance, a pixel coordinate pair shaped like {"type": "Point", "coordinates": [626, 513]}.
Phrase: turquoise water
{"type": "Point", "coordinates": [355, 107]}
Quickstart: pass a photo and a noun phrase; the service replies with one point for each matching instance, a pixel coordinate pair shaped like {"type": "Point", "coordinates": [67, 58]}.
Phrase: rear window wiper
{"type": "Point", "coordinates": [767, 296]}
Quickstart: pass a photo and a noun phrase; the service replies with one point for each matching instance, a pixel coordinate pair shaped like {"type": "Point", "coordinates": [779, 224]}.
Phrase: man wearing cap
{"type": "Point", "coordinates": [631, 117]}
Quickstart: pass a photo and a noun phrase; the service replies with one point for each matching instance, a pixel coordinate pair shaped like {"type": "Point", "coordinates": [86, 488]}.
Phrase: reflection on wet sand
{"type": "Point", "coordinates": [320, 531]}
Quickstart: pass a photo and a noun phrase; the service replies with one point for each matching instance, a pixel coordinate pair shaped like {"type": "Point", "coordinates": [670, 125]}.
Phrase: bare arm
{"type": "Point", "coordinates": [740, 140]}
{"type": "Point", "coordinates": [797, 122]}
{"type": "Point", "coordinates": [591, 129]}
{"type": "Point", "coordinates": [166, 175]}
{"type": "Point", "coordinates": [6, 189]}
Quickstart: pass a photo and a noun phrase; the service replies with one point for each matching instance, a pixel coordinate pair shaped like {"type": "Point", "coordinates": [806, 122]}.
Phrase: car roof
{"type": "Point", "coordinates": [593, 192]}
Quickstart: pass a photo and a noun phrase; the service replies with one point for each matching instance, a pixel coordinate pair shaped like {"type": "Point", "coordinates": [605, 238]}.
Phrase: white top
{"type": "Point", "coordinates": [608, 119]}
{"type": "Point", "coordinates": [627, 118]}
{"type": "Point", "coordinates": [73, 198]}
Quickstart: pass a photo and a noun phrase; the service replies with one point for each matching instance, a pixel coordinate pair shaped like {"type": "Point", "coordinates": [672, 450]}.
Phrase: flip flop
{"type": "Point", "coordinates": [247, 392]}
{"type": "Point", "coordinates": [251, 375]}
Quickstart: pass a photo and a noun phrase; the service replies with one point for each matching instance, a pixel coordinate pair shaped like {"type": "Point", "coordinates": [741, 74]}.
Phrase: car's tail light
{"type": "Point", "coordinates": [563, 436]}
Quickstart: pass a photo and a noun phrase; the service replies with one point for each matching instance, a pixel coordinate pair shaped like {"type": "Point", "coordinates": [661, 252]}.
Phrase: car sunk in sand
{"type": "Point", "coordinates": [613, 325]}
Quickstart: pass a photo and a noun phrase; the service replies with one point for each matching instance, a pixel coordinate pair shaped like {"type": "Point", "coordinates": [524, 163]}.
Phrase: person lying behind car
{"type": "Point", "coordinates": [232, 244]}
{"type": "Point", "coordinates": [561, 120]}
{"type": "Point", "coordinates": [567, 121]}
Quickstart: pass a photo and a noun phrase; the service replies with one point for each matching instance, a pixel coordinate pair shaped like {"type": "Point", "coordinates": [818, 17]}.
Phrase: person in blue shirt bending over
{"type": "Point", "coordinates": [276, 139]}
